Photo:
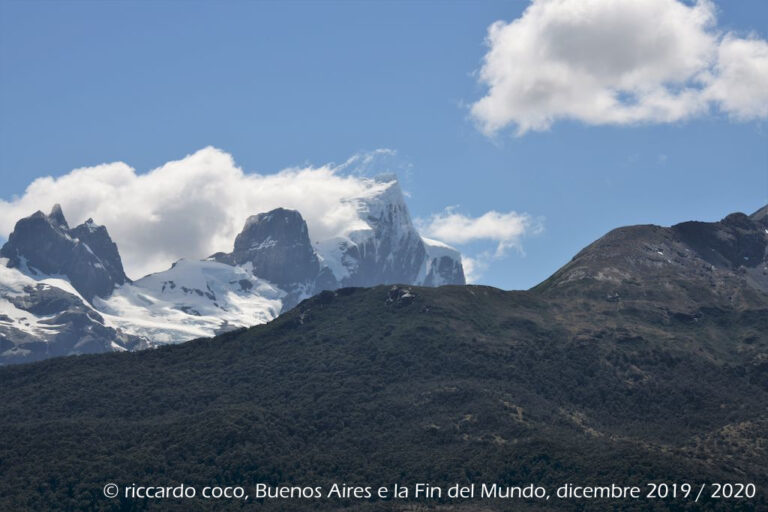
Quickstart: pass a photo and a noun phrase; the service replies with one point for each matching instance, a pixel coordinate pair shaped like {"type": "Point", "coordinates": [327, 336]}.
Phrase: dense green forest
{"type": "Point", "coordinates": [394, 385]}
{"type": "Point", "coordinates": [643, 360]}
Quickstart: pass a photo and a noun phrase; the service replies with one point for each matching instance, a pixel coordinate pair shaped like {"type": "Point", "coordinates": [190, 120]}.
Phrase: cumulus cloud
{"type": "Point", "coordinates": [505, 229]}
{"type": "Point", "coordinates": [195, 206]}
{"type": "Point", "coordinates": [190, 208]}
{"type": "Point", "coordinates": [740, 81]}
{"type": "Point", "coordinates": [617, 62]}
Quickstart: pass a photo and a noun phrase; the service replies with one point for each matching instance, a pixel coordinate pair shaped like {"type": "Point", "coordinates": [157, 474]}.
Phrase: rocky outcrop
{"type": "Point", "coordinates": [85, 255]}
{"type": "Point", "coordinates": [442, 265]}
{"type": "Point", "coordinates": [277, 248]}
{"type": "Point", "coordinates": [761, 216]}
{"type": "Point", "coordinates": [98, 240]}
{"type": "Point", "coordinates": [689, 264]}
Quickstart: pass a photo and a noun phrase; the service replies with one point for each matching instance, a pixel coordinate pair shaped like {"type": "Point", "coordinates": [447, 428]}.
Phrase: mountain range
{"type": "Point", "coordinates": [643, 359]}
{"type": "Point", "coordinates": [64, 290]}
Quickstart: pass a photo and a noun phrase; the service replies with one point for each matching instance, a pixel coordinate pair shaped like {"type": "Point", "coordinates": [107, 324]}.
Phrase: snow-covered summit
{"type": "Point", "coordinates": [389, 250]}
{"type": "Point", "coordinates": [275, 262]}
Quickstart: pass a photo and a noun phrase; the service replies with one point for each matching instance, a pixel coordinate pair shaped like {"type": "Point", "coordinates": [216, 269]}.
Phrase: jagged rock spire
{"type": "Point", "coordinates": [57, 217]}
{"type": "Point", "coordinates": [86, 254]}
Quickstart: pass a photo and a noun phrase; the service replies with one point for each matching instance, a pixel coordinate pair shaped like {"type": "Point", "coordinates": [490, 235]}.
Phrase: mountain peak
{"type": "Point", "coordinates": [85, 254]}
{"type": "Point", "coordinates": [738, 219]}
{"type": "Point", "coordinates": [57, 217]}
{"type": "Point", "coordinates": [277, 215]}
{"type": "Point", "coordinates": [689, 263]}
{"type": "Point", "coordinates": [761, 216]}
{"type": "Point", "coordinates": [276, 245]}
{"type": "Point", "coordinates": [273, 265]}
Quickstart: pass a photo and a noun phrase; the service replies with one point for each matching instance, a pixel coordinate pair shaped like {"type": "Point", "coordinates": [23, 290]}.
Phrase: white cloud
{"type": "Point", "coordinates": [740, 80]}
{"type": "Point", "coordinates": [617, 62]}
{"type": "Point", "coordinates": [195, 206]}
{"type": "Point", "coordinates": [505, 229]}
{"type": "Point", "coordinates": [474, 267]}
{"type": "Point", "coordinates": [188, 208]}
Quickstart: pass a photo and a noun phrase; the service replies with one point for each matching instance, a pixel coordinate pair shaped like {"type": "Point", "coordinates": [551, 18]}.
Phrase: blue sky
{"type": "Point", "coordinates": [293, 83]}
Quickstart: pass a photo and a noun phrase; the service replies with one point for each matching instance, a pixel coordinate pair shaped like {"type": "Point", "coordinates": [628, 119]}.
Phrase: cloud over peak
{"type": "Point", "coordinates": [506, 229]}
{"type": "Point", "coordinates": [195, 206]}
{"type": "Point", "coordinates": [190, 207]}
{"type": "Point", "coordinates": [618, 62]}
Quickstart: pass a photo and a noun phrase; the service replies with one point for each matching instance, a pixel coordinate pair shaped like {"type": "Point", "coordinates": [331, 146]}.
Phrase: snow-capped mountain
{"type": "Point", "coordinates": [192, 299]}
{"type": "Point", "coordinates": [276, 247]}
{"type": "Point", "coordinates": [64, 291]}
{"type": "Point", "coordinates": [388, 249]}
{"type": "Point", "coordinates": [43, 316]}
{"type": "Point", "coordinates": [45, 245]}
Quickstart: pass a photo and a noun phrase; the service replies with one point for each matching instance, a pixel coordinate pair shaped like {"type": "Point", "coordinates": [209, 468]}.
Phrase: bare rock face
{"type": "Point", "coordinates": [277, 244]}
{"type": "Point", "coordinates": [444, 270]}
{"type": "Point", "coordinates": [391, 251]}
{"type": "Point", "coordinates": [276, 247]}
{"type": "Point", "coordinates": [731, 243]}
{"type": "Point", "coordinates": [98, 240]}
{"type": "Point", "coordinates": [761, 216]}
{"type": "Point", "coordinates": [86, 254]}
{"type": "Point", "coordinates": [43, 320]}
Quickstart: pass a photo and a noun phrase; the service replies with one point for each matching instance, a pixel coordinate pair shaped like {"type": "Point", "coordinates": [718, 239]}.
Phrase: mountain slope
{"type": "Point", "coordinates": [45, 317]}
{"type": "Point", "coordinates": [690, 264]}
{"type": "Point", "coordinates": [274, 264]}
{"type": "Point", "coordinates": [190, 300]}
{"type": "Point", "coordinates": [563, 383]}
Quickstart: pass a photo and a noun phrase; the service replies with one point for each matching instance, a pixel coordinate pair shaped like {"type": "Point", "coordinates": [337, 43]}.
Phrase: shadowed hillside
{"type": "Point", "coordinates": [644, 359]}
